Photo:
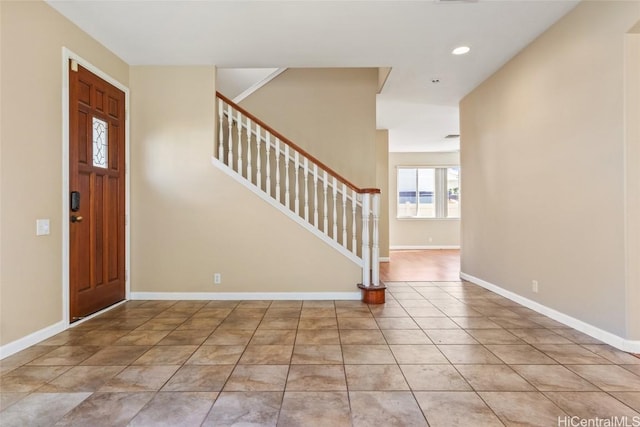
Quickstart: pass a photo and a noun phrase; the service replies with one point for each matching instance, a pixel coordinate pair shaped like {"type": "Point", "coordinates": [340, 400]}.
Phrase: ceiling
{"type": "Point", "coordinates": [414, 37]}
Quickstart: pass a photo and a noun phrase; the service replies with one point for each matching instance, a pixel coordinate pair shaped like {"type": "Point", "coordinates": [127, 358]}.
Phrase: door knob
{"type": "Point", "coordinates": [75, 218]}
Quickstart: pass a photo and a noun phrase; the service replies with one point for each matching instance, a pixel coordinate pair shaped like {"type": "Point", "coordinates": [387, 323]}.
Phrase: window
{"type": "Point", "coordinates": [428, 192]}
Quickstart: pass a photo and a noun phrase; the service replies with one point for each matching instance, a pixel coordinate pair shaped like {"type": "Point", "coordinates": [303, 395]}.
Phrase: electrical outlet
{"type": "Point", "coordinates": [217, 278]}
{"type": "Point", "coordinates": [534, 286]}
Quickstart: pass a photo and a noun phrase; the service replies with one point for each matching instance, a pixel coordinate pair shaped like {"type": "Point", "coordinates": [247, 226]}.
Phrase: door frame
{"type": "Point", "coordinates": [68, 55]}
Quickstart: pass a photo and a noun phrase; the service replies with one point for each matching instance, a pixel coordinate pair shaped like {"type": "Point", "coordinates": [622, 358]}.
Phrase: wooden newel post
{"type": "Point", "coordinates": [366, 254]}
{"type": "Point", "coordinates": [375, 247]}
{"type": "Point", "coordinates": [372, 291]}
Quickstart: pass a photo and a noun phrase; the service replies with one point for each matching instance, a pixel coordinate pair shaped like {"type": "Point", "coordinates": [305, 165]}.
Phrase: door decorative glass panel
{"type": "Point", "coordinates": [100, 143]}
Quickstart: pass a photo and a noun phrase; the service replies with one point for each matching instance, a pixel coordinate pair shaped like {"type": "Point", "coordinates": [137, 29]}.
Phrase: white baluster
{"type": "Point", "coordinates": [230, 120]}
{"type": "Point", "coordinates": [366, 254]}
{"type": "Point", "coordinates": [249, 166]}
{"type": "Point", "coordinates": [221, 139]}
{"type": "Point", "coordinates": [354, 206]}
{"type": "Point", "coordinates": [258, 157]}
{"type": "Point", "coordinates": [286, 176]}
{"type": "Point", "coordinates": [239, 126]}
{"type": "Point", "coordinates": [344, 215]}
{"type": "Point", "coordinates": [268, 164]}
{"type": "Point", "coordinates": [375, 250]}
{"type": "Point", "coordinates": [335, 208]}
{"type": "Point", "coordinates": [315, 195]}
{"type": "Point", "coordinates": [297, 182]}
{"type": "Point", "coordinates": [325, 183]}
{"type": "Point", "coordinates": [306, 189]}
{"type": "Point", "coordinates": [278, 170]}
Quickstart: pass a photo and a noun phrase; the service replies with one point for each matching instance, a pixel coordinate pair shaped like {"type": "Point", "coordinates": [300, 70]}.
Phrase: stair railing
{"type": "Point", "coordinates": [346, 214]}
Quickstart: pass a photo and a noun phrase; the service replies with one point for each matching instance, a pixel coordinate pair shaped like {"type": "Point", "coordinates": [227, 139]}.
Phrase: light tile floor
{"type": "Point", "coordinates": [437, 353]}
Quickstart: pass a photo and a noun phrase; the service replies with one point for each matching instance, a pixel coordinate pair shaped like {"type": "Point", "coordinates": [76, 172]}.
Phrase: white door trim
{"type": "Point", "coordinates": [67, 55]}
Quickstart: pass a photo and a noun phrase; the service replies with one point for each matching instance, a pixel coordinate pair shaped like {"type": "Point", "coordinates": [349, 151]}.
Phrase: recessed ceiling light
{"type": "Point", "coordinates": [461, 50]}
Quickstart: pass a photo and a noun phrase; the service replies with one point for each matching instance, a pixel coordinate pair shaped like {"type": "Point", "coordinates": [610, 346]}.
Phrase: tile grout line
{"type": "Point", "coordinates": [204, 419]}
{"type": "Point", "coordinates": [472, 302]}
{"type": "Point", "coordinates": [413, 395]}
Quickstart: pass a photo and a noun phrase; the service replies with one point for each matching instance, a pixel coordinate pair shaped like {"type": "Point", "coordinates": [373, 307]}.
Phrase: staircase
{"type": "Point", "coordinates": [299, 185]}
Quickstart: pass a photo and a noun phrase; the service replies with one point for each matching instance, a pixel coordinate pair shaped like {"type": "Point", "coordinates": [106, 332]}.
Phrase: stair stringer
{"type": "Point", "coordinates": [291, 215]}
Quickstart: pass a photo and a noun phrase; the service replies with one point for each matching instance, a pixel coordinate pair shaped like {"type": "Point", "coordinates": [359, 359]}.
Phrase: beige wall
{"type": "Point", "coordinates": [329, 112]}
{"type": "Point", "coordinates": [405, 233]}
{"type": "Point", "coordinates": [32, 37]}
{"type": "Point", "coordinates": [543, 169]}
{"type": "Point", "coordinates": [632, 159]}
{"type": "Point", "coordinates": [190, 220]}
{"type": "Point", "coordinates": [382, 182]}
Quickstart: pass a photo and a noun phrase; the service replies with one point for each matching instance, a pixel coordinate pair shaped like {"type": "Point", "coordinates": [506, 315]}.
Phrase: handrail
{"type": "Point", "coordinates": [336, 220]}
{"type": "Point", "coordinates": [272, 145]}
{"type": "Point", "coordinates": [291, 144]}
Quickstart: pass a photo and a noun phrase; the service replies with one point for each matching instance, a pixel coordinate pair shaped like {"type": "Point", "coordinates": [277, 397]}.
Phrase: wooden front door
{"type": "Point", "coordinates": [97, 199]}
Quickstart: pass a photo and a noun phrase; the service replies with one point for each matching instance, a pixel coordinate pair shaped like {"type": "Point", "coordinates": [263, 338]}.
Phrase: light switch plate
{"type": "Point", "coordinates": [42, 227]}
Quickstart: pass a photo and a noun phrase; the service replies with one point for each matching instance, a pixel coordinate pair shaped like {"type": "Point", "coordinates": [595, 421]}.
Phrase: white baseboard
{"type": "Point", "coordinates": [586, 328]}
{"type": "Point", "coordinates": [31, 339]}
{"type": "Point", "coordinates": [245, 296]}
{"type": "Point", "coordinates": [384, 259]}
{"type": "Point", "coordinates": [422, 247]}
{"type": "Point", "coordinates": [41, 335]}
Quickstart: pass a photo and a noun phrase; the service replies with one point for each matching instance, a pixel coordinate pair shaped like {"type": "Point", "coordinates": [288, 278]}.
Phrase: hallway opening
{"type": "Point", "coordinates": [421, 265]}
